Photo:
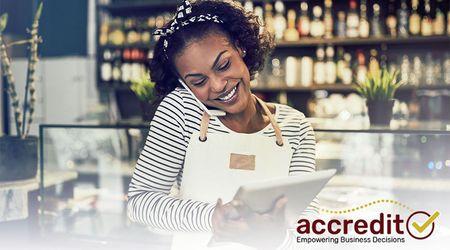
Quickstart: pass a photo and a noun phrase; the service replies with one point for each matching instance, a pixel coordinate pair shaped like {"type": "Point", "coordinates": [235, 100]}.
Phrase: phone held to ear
{"type": "Point", "coordinates": [210, 111]}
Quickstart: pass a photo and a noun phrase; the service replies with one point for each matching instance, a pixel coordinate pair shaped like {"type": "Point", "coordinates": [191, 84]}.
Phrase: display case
{"type": "Point", "coordinates": [410, 165]}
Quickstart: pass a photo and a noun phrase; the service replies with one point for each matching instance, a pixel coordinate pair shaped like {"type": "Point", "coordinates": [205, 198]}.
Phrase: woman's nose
{"type": "Point", "coordinates": [218, 85]}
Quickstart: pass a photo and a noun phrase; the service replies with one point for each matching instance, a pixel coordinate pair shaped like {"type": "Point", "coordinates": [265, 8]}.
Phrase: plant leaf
{"type": "Point", "coordinates": [3, 22]}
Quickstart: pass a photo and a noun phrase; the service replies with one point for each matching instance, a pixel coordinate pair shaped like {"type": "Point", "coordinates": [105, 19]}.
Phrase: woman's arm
{"type": "Point", "coordinates": [158, 168]}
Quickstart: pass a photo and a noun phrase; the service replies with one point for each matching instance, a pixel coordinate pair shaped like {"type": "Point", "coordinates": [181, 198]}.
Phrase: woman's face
{"type": "Point", "coordinates": [213, 68]}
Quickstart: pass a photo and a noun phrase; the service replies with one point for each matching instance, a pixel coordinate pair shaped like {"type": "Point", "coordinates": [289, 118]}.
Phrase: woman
{"type": "Point", "coordinates": [215, 48]}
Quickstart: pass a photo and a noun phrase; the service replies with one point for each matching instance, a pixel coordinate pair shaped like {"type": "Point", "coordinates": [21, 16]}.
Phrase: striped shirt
{"type": "Point", "coordinates": [160, 164]}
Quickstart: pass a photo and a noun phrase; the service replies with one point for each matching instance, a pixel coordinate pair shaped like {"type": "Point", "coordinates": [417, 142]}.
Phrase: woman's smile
{"type": "Point", "coordinates": [230, 97]}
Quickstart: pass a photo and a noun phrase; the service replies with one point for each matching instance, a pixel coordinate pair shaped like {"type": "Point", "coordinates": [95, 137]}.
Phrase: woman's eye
{"type": "Point", "coordinates": [199, 83]}
{"type": "Point", "coordinates": [225, 66]}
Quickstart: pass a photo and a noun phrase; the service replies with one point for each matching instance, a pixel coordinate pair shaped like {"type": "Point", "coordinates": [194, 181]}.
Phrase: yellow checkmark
{"type": "Point", "coordinates": [430, 220]}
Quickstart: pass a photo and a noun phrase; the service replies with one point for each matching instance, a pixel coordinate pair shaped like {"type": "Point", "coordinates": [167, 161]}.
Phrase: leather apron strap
{"type": "Point", "coordinates": [279, 139]}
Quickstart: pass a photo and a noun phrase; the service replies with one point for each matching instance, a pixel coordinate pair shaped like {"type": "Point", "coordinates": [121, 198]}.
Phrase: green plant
{"type": "Point", "coordinates": [143, 88]}
{"type": "Point", "coordinates": [20, 115]}
{"type": "Point", "coordinates": [380, 86]}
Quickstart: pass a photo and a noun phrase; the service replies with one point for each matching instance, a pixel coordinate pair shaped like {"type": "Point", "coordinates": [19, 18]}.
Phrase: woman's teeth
{"type": "Point", "coordinates": [230, 95]}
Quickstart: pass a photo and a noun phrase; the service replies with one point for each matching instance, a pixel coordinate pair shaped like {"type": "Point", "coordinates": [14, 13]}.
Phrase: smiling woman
{"type": "Point", "coordinates": [215, 49]}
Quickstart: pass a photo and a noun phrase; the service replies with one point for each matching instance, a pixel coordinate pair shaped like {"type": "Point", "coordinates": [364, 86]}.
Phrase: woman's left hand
{"type": "Point", "coordinates": [234, 221]}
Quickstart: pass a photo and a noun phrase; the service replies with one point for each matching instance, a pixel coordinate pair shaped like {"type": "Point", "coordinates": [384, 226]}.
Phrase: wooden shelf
{"type": "Point", "coordinates": [328, 87]}
{"type": "Point", "coordinates": [310, 42]}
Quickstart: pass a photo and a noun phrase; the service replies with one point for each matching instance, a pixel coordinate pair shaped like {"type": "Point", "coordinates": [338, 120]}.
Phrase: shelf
{"type": "Point", "coordinates": [340, 88]}
{"type": "Point", "coordinates": [310, 42]}
{"type": "Point", "coordinates": [329, 87]}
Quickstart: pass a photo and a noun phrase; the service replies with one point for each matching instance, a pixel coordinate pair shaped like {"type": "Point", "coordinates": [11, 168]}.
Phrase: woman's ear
{"type": "Point", "coordinates": [241, 50]}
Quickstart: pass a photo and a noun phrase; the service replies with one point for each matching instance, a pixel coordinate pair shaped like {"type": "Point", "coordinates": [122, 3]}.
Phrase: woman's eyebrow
{"type": "Point", "coordinates": [214, 65]}
{"type": "Point", "coordinates": [217, 59]}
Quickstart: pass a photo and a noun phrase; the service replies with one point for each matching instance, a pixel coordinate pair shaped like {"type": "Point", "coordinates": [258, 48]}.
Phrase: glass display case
{"type": "Point", "coordinates": [407, 165]}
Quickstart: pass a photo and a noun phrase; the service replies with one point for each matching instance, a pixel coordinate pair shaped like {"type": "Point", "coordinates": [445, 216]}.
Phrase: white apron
{"type": "Point", "coordinates": [217, 164]}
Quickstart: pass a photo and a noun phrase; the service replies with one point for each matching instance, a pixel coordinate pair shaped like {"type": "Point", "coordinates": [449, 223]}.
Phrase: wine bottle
{"type": "Point", "coordinates": [364, 23]}
{"type": "Point", "coordinates": [328, 19]}
{"type": "Point", "coordinates": [414, 19]}
{"type": "Point", "coordinates": [439, 21]}
{"type": "Point", "coordinates": [352, 21]}
{"type": "Point", "coordinates": [377, 29]}
{"type": "Point", "coordinates": [268, 18]}
{"type": "Point", "coordinates": [291, 34]}
{"type": "Point", "coordinates": [341, 30]}
{"type": "Point", "coordinates": [304, 24]}
{"type": "Point", "coordinates": [426, 26]}
{"type": "Point", "coordinates": [405, 69]}
{"type": "Point", "coordinates": [361, 69]}
{"type": "Point", "coordinates": [347, 74]}
{"type": "Point", "coordinates": [106, 66]}
{"type": "Point", "coordinates": [374, 65]}
{"type": "Point", "coordinates": [317, 25]}
{"type": "Point", "coordinates": [402, 17]}
{"type": "Point", "coordinates": [279, 21]}
{"type": "Point", "coordinates": [330, 66]}
{"type": "Point", "coordinates": [319, 66]}
{"type": "Point", "coordinates": [340, 65]}
{"type": "Point", "coordinates": [291, 71]}
{"type": "Point", "coordinates": [307, 66]}
{"type": "Point", "coordinates": [391, 20]}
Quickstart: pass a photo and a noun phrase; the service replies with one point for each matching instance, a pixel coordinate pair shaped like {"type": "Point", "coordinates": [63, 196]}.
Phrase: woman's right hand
{"type": "Point", "coordinates": [234, 221]}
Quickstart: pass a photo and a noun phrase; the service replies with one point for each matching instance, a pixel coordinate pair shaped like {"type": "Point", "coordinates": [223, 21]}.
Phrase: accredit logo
{"type": "Point", "coordinates": [384, 228]}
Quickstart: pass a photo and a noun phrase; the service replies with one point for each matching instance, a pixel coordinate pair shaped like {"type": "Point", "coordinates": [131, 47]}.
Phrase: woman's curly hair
{"type": "Point", "coordinates": [242, 28]}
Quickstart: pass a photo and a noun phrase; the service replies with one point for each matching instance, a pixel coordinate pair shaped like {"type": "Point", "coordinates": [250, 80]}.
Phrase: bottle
{"type": "Point", "coordinates": [307, 66]}
{"type": "Point", "coordinates": [117, 36]}
{"type": "Point", "coordinates": [364, 23]}
{"type": "Point", "coordinates": [361, 69]}
{"type": "Point", "coordinates": [347, 75]}
{"type": "Point", "coordinates": [374, 65]}
{"type": "Point", "coordinates": [319, 66]}
{"type": "Point", "coordinates": [291, 34]}
{"type": "Point", "coordinates": [330, 66]}
{"type": "Point", "coordinates": [106, 66]}
{"type": "Point", "coordinates": [447, 68]}
{"type": "Point", "coordinates": [279, 22]}
{"type": "Point", "coordinates": [125, 69]}
{"type": "Point", "coordinates": [448, 21]}
{"type": "Point", "coordinates": [317, 26]}
{"type": "Point", "coordinates": [377, 29]}
{"type": "Point", "coordinates": [426, 26]}
{"type": "Point", "coordinates": [146, 34]}
{"type": "Point", "coordinates": [260, 14]}
{"type": "Point", "coordinates": [340, 65]}
{"type": "Point", "coordinates": [352, 21]}
{"type": "Point", "coordinates": [132, 36]}
{"type": "Point", "coordinates": [268, 18]}
{"type": "Point", "coordinates": [402, 17]}
{"type": "Point", "coordinates": [341, 30]}
{"type": "Point", "coordinates": [291, 71]}
{"type": "Point", "coordinates": [248, 6]}
{"type": "Point", "coordinates": [103, 36]}
{"type": "Point", "coordinates": [304, 24]}
{"type": "Point", "coordinates": [391, 20]}
{"type": "Point", "coordinates": [415, 78]}
{"type": "Point", "coordinates": [414, 19]}
{"type": "Point", "coordinates": [429, 69]}
{"type": "Point", "coordinates": [439, 21]}
{"type": "Point", "coordinates": [328, 19]}
{"type": "Point", "coordinates": [405, 69]}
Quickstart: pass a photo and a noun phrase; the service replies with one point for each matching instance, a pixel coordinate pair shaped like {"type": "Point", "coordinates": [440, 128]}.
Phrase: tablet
{"type": "Point", "coordinates": [300, 190]}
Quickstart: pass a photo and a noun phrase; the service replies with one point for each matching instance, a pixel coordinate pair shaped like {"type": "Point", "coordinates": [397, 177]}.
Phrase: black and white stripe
{"type": "Point", "coordinates": [160, 163]}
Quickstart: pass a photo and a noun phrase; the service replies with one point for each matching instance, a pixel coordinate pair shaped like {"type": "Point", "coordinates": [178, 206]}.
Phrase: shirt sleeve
{"type": "Point", "coordinates": [157, 169]}
{"type": "Point", "coordinates": [304, 159]}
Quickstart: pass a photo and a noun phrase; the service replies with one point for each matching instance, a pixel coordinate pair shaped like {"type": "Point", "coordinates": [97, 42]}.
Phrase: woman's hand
{"type": "Point", "coordinates": [234, 221]}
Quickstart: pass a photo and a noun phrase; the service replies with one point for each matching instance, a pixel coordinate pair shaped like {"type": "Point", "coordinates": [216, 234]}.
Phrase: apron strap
{"type": "Point", "coordinates": [204, 126]}
{"type": "Point", "coordinates": [274, 123]}
{"type": "Point", "coordinates": [205, 121]}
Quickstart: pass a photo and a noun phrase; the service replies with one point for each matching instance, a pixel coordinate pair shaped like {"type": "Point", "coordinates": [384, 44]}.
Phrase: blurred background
{"type": "Point", "coordinates": [94, 105]}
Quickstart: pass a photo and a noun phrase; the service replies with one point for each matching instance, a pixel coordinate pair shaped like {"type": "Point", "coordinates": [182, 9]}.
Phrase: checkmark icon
{"type": "Point", "coordinates": [427, 223]}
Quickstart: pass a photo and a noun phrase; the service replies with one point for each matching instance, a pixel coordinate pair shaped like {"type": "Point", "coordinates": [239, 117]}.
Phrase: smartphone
{"type": "Point", "coordinates": [210, 111]}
